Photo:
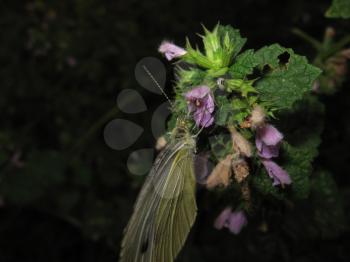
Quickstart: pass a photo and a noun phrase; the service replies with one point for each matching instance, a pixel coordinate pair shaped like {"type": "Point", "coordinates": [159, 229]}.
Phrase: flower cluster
{"type": "Point", "coordinates": [218, 91]}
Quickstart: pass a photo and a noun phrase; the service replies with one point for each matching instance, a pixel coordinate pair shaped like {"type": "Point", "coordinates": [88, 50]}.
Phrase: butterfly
{"type": "Point", "coordinates": [166, 207]}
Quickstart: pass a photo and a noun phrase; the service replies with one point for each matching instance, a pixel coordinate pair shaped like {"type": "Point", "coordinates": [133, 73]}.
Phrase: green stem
{"type": "Point", "coordinates": [312, 41]}
{"type": "Point", "coordinates": [100, 123]}
{"type": "Point", "coordinates": [94, 128]}
{"type": "Point", "coordinates": [336, 47]}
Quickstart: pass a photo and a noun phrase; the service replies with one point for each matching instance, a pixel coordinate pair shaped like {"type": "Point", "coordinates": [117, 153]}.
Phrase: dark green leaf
{"type": "Point", "coordinates": [339, 9]}
{"type": "Point", "coordinates": [243, 64]}
{"type": "Point", "coordinates": [223, 112]}
{"type": "Point", "coordinates": [287, 83]}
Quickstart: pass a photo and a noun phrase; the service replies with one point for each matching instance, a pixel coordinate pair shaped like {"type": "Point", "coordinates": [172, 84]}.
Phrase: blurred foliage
{"type": "Point", "coordinates": [65, 196]}
{"type": "Point", "coordinates": [339, 9]}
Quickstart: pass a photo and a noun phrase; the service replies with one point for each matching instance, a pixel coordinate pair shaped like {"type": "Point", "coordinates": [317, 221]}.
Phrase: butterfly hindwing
{"type": "Point", "coordinates": [165, 209]}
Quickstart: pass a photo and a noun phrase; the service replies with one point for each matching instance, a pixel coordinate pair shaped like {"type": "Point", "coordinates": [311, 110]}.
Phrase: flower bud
{"type": "Point", "coordinates": [161, 143]}
{"type": "Point", "coordinates": [330, 32]}
{"type": "Point", "coordinates": [221, 83]}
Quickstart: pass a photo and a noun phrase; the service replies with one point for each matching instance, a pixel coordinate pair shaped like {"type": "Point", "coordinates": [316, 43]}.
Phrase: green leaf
{"type": "Point", "coordinates": [297, 162]}
{"type": "Point", "coordinates": [302, 127]}
{"type": "Point", "coordinates": [189, 78]}
{"type": "Point", "coordinates": [238, 104]}
{"type": "Point", "coordinates": [299, 169]}
{"type": "Point", "coordinates": [263, 183]}
{"type": "Point", "coordinates": [232, 41]}
{"type": "Point", "coordinates": [217, 72]}
{"type": "Point", "coordinates": [242, 86]}
{"type": "Point", "coordinates": [268, 55]}
{"type": "Point", "coordinates": [220, 146]}
{"type": "Point", "coordinates": [240, 110]}
{"type": "Point", "coordinates": [303, 122]}
{"type": "Point", "coordinates": [211, 41]}
{"type": "Point", "coordinates": [239, 117]}
{"type": "Point", "coordinates": [195, 56]}
{"type": "Point", "coordinates": [287, 83]}
{"type": "Point", "coordinates": [339, 9]}
{"type": "Point", "coordinates": [223, 112]}
{"type": "Point", "coordinates": [302, 147]}
{"type": "Point", "coordinates": [243, 65]}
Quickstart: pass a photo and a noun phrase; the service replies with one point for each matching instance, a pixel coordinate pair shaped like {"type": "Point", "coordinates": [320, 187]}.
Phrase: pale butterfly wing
{"type": "Point", "coordinates": [165, 209]}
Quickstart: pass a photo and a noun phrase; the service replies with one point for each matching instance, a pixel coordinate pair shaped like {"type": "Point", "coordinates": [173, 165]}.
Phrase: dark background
{"type": "Point", "coordinates": [65, 195]}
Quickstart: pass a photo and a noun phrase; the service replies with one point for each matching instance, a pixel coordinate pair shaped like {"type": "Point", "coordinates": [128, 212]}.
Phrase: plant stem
{"type": "Point", "coordinates": [312, 41]}
{"type": "Point", "coordinates": [94, 128]}
{"type": "Point", "coordinates": [113, 112]}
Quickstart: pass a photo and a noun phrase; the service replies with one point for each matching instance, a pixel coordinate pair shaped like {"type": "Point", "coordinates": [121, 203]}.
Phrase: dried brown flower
{"type": "Point", "coordinates": [240, 144]}
{"type": "Point", "coordinates": [220, 176]}
{"type": "Point", "coordinates": [258, 116]}
{"type": "Point", "coordinates": [240, 169]}
{"type": "Point", "coordinates": [246, 124]}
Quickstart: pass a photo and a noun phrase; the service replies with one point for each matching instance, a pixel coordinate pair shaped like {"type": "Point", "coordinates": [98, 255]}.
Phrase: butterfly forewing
{"type": "Point", "coordinates": [165, 209]}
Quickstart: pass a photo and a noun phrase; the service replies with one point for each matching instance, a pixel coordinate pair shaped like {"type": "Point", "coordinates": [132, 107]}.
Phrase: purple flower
{"type": "Point", "coordinates": [170, 50]}
{"type": "Point", "coordinates": [237, 221]}
{"type": "Point", "coordinates": [267, 141]}
{"type": "Point", "coordinates": [221, 220]}
{"type": "Point", "coordinates": [278, 174]}
{"type": "Point", "coordinates": [201, 104]}
{"type": "Point", "coordinates": [234, 221]}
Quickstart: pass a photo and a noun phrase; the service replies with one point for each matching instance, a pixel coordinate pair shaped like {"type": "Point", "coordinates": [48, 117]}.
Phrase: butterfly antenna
{"type": "Point", "coordinates": [157, 84]}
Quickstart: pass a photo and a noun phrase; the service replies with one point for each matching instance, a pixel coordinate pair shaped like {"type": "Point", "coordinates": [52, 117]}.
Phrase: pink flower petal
{"type": "Point", "coordinates": [170, 50]}
{"type": "Point", "coordinates": [197, 92]}
{"type": "Point", "coordinates": [279, 175]}
{"type": "Point", "coordinates": [267, 141]}
{"type": "Point", "coordinates": [236, 222]}
{"type": "Point", "coordinates": [201, 104]}
{"type": "Point", "coordinates": [269, 135]}
{"type": "Point", "coordinates": [203, 118]}
{"type": "Point", "coordinates": [269, 151]}
{"type": "Point", "coordinates": [222, 219]}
